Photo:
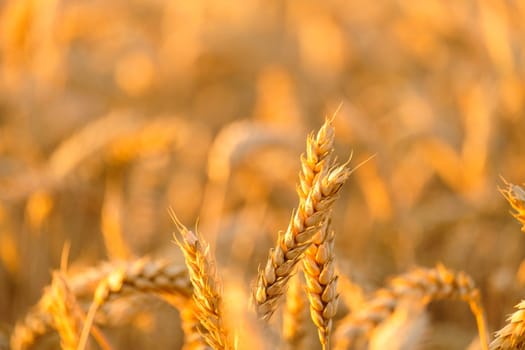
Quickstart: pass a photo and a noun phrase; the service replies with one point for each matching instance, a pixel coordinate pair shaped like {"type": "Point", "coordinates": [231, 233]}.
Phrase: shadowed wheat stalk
{"type": "Point", "coordinates": [206, 291]}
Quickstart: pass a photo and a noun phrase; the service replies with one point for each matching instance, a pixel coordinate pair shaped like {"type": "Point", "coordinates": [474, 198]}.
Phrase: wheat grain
{"type": "Point", "coordinates": [422, 285]}
{"type": "Point", "coordinates": [206, 291]}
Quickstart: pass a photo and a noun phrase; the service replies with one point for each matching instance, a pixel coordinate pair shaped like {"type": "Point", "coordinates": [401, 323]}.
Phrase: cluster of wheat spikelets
{"type": "Point", "coordinates": [307, 244]}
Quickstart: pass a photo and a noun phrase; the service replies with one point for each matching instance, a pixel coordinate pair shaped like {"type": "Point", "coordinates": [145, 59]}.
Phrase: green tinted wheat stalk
{"type": "Point", "coordinates": [422, 285]}
{"type": "Point", "coordinates": [206, 291]}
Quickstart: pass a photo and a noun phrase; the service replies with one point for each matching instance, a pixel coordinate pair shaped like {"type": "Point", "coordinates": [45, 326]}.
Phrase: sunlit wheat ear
{"type": "Point", "coordinates": [295, 315]}
{"type": "Point", "coordinates": [319, 185]}
{"type": "Point", "coordinates": [291, 244]}
{"type": "Point", "coordinates": [420, 285]}
{"type": "Point", "coordinates": [206, 287]}
{"type": "Point", "coordinates": [321, 281]}
{"type": "Point", "coordinates": [512, 336]}
{"type": "Point", "coordinates": [319, 150]}
{"type": "Point", "coordinates": [515, 195]}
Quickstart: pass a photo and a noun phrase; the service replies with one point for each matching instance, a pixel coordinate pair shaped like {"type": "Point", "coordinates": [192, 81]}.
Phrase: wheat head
{"type": "Point", "coordinates": [313, 210]}
{"type": "Point", "coordinates": [421, 284]}
{"type": "Point", "coordinates": [206, 287]}
{"type": "Point", "coordinates": [512, 336]}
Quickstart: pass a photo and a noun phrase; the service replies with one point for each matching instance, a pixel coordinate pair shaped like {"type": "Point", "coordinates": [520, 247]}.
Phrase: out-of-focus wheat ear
{"type": "Point", "coordinates": [294, 315]}
{"type": "Point", "coordinates": [512, 336]}
{"type": "Point", "coordinates": [419, 285]}
{"type": "Point", "coordinates": [61, 304]}
{"type": "Point", "coordinates": [110, 281]}
{"type": "Point", "coordinates": [190, 326]}
{"type": "Point", "coordinates": [305, 222]}
{"type": "Point", "coordinates": [515, 195]}
{"type": "Point", "coordinates": [206, 287]}
{"type": "Point", "coordinates": [321, 281]}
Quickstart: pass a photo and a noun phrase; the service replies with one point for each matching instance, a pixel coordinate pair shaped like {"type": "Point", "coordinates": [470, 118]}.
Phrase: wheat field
{"type": "Point", "coordinates": [262, 175]}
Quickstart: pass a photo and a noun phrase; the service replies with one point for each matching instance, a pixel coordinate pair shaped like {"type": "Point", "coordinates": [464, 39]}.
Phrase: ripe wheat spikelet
{"type": "Point", "coordinates": [206, 287]}
{"type": "Point", "coordinates": [421, 284]}
{"type": "Point", "coordinates": [515, 195]}
{"type": "Point", "coordinates": [114, 280]}
{"type": "Point", "coordinates": [512, 336]}
{"type": "Point", "coordinates": [321, 282]}
{"type": "Point", "coordinates": [314, 207]}
{"type": "Point", "coordinates": [294, 315]}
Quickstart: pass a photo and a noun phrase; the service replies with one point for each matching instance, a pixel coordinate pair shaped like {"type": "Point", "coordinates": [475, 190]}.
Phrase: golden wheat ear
{"type": "Point", "coordinates": [515, 195]}
{"type": "Point", "coordinates": [512, 336]}
{"type": "Point", "coordinates": [319, 185]}
{"type": "Point", "coordinates": [207, 294]}
{"type": "Point", "coordinates": [420, 285]}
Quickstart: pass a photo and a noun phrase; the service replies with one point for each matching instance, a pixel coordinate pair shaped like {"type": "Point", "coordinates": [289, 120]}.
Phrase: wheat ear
{"type": "Point", "coordinates": [512, 336]}
{"type": "Point", "coordinates": [319, 148]}
{"type": "Point", "coordinates": [515, 195]}
{"type": "Point", "coordinates": [113, 280]}
{"type": "Point", "coordinates": [61, 304]}
{"type": "Point", "coordinates": [321, 282]}
{"type": "Point", "coordinates": [206, 287]}
{"type": "Point", "coordinates": [305, 222]}
{"type": "Point", "coordinates": [423, 285]}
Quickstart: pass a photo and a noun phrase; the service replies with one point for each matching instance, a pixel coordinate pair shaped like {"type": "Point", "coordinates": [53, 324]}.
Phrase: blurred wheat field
{"type": "Point", "coordinates": [113, 112]}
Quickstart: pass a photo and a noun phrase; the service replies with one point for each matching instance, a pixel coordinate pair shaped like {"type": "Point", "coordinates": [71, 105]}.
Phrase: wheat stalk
{"type": "Point", "coordinates": [515, 195]}
{"type": "Point", "coordinates": [512, 336]}
{"type": "Point", "coordinates": [420, 284]}
{"type": "Point", "coordinates": [314, 206]}
{"type": "Point", "coordinates": [206, 291]}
